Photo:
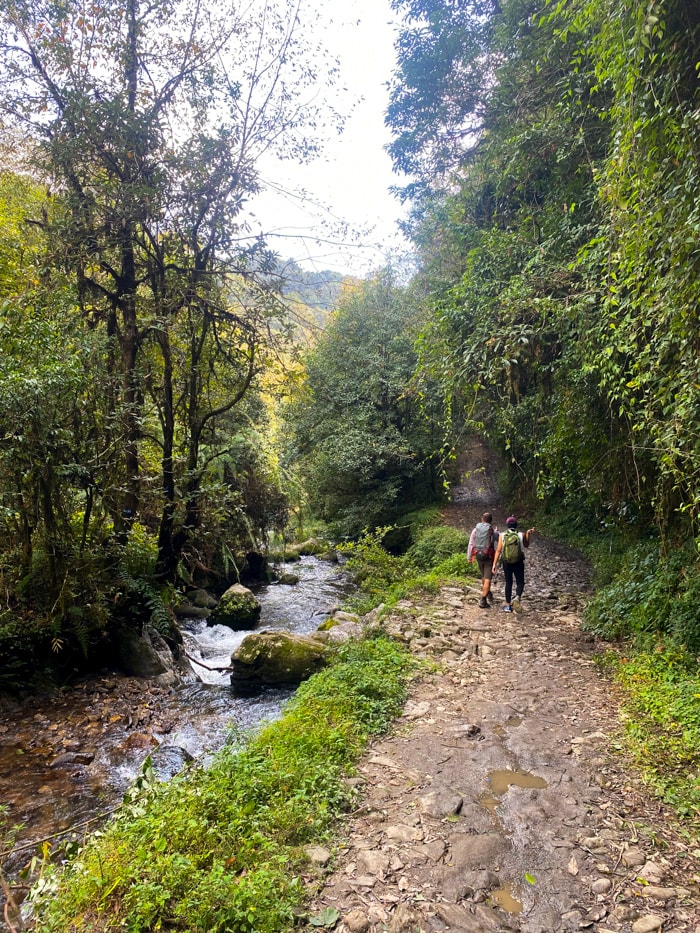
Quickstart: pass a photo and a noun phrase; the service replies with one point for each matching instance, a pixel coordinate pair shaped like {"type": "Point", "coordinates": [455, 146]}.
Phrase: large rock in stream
{"type": "Point", "coordinates": [147, 654]}
{"type": "Point", "coordinates": [238, 609]}
{"type": "Point", "coordinates": [276, 659]}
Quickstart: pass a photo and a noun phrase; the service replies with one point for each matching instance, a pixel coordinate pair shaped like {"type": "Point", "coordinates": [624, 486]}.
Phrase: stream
{"type": "Point", "coordinates": [67, 759]}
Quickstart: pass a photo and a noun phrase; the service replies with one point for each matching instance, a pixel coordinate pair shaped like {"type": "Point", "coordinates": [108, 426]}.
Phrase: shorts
{"type": "Point", "coordinates": [485, 567]}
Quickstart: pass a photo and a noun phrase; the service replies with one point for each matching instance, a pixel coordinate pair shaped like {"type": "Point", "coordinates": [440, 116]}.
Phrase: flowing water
{"type": "Point", "coordinates": [66, 760]}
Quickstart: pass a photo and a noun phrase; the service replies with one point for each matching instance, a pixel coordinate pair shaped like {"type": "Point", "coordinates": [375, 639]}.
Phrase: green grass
{"type": "Point", "coordinates": [649, 608]}
{"type": "Point", "coordinates": [437, 558]}
{"type": "Point", "coordinates": [221, 849]}
{"type": "Point", "coordinates": [661, 714]}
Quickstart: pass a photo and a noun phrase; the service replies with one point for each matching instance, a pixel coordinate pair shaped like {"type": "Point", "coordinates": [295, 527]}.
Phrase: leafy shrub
{"type": "Point", "coordinates": [436, 544]}
{"type": "Point", "coordinates": [384, 578]}
{"type": "Point", "coordinates": [662, 723]}
{"type": "Point", "coordinates": [140, 553]}
{"type": "Point", "coordinates": [137, 601]}
{"type": "Point", "coordinates": [22, 642]}
{"type": "Point", "coordinates": [458, 566]}
{"type": "Point", "coordinates": [372, 566]}
{"type": "Point", "coordinates": [652, 594]}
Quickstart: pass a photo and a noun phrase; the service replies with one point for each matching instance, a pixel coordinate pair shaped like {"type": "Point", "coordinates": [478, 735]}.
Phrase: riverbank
{"type": "Point", "coordinates": [67, 758]}
{"type": "Point", "coordinates": [502, 798]}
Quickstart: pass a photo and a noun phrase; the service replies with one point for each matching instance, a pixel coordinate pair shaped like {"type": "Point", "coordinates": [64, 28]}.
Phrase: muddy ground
{"type": "Point", "coordinates": [502, 800]}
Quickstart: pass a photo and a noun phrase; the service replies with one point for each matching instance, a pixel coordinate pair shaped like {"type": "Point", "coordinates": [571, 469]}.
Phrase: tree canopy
{"type": "Point", "coordinates": [132, 363]}
{"type": "Point", "coordinates": [551, 151]}
{"type": "Point", "coordinates": [359, 433]}
{"type": "Point", "coordinates": [558, 252]}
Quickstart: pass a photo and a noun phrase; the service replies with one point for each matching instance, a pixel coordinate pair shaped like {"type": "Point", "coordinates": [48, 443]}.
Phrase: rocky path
{"type": "Point", "coordinates": [501, 800]}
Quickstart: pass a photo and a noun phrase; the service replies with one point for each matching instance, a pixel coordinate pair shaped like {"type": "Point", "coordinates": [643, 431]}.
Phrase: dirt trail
{"type": "Point", "coordinates": [500, 801]}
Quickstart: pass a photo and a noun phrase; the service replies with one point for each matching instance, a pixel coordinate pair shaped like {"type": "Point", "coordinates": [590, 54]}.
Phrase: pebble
{"type": "Point", "coordinates": [317, 854]}
{"type": "Point", "coordinates": [440, 803]}
{"type": "Point", "coordinates": [633, 858]}
{"type": "Point", "coordinates": [647, 924]}
{"type": "Point", "coordinates": [624, 913]}
{"type": "Point", "coordinates": [652, 873]}
{"type": "Point", "coordinates": [356, 921]}
{"type": "Point", "coordinates": [659, 893]}
{"type": "Point", "coordinates": [404, 920]}
{"type": "Point", "coordinates": [403, 833]}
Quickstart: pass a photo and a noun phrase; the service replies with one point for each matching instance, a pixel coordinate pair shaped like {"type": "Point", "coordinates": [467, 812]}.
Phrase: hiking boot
{"type": "Point", "coordinates": [507, 608]}
{"type": "Point", "coordinates": [516, 604]}
{"type": "Point", "coordinates": [483, 603]}
{"type": "Point", "coordinates": [489, 596]}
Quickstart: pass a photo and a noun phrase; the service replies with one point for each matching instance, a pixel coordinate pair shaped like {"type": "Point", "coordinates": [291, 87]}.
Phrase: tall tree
{"type": "Point", "coordinates": [440, 88]}
{"type": "Point", "coordinates": [644, 264]}
{"type": "Point", "coordinates": [560, 258]}
{"type": "Point", "coordinates": [148, 120]}
{"type": "Point", "coordinates": [361, 434]}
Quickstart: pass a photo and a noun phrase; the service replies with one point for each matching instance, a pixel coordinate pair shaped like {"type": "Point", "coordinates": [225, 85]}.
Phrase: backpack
{"type": "Point", "coordinates": [483, 541]}
{"type": "Point", "coordinates": [512, 547]}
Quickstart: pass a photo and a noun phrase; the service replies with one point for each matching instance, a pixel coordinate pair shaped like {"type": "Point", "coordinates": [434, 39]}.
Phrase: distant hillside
{"type": "Point", "coordinates": [311, 295]}
{"type": "Point", "coordinates": [317, 289]}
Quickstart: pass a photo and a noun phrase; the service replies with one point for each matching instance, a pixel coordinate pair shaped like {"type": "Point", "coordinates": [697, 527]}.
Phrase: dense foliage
{"type": "Point", "coordinates": [552, 149]}
{"type": "Point", "coordinates": [555, 209]}
{"type": "Point", "coordinates": [558, 255]}
{"type": "Point", "coordinates": [662, 724]}
{"type": "Point", "coordinates": [360, 433]}
{"type": "Point", "coordinates": [139, 322]}
{"type": "Point", "coordinates": [437, 557]}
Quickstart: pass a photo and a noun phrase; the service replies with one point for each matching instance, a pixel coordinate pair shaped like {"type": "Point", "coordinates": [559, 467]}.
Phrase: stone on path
{"type": "Point", "coordinates": [647, 924]}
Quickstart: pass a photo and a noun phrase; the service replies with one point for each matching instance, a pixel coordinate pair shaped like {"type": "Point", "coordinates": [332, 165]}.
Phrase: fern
{"type": "Point", "coordinates": [150, 598]}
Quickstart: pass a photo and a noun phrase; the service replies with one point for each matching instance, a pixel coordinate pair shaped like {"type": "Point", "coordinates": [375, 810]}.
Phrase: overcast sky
{"type": "Point", "coordinates": [350, 182]}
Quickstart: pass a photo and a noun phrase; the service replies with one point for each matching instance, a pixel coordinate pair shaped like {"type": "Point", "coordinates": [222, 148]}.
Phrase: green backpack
{"type": "Point", "coordinates": [512, 547]}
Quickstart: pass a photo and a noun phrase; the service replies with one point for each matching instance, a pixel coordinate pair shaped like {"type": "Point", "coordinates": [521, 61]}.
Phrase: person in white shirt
{"type": "Point", "coordinates": [482, 547]}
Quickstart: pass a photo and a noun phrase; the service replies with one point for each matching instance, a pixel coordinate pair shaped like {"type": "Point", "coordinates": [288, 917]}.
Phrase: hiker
{"type": "Point", "coordinates": [511, 547]}
{"type": "Point", "coordinates": [482, 548]}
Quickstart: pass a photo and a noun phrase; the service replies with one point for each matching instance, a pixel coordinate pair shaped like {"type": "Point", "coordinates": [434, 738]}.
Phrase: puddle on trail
{"type": "Point", "coordinates": [506, 897]}
{"type": "Point", "coordinates": [512, 723]}
{"type": "Point", "coordinates": [501, 780]}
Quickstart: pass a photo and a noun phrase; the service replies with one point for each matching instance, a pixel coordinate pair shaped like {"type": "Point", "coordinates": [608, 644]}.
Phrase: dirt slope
{"type": "Point", "coordinates": [500, 801]}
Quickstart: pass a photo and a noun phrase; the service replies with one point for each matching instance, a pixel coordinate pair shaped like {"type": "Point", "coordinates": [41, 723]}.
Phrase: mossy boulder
{"type": "Point", "coordinates": [238, 609]}
{"type": "Point", "coordinates": [292, 552]}
{"type": "Point", "coordinates": [284, 557]}
{"type": "Point", "coordinates": [201, 598]}
{"type": "Point", "coordinates": [275, 659]}
{"type": "Point", "coordinates": [340, 627]}
{"type": "Point", "coordinates": [287, 579]}
{"type": "Point", "coordinates": [311, 546]}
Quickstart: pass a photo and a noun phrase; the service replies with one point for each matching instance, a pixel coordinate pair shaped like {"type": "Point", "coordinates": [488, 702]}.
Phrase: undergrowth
{"type": "Point", "coordinates": [651, 594]}
{"type": "Point", "coordinates": [221, 849]}
{"type": "Point", "coordinates": [438, 557]}
{"type": "Point", "coordinates": [661, 714]}
{"type": "Point", "coordinates": [650, 608]}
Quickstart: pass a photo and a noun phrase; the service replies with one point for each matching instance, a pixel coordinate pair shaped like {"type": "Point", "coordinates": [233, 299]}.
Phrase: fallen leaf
{"type": "Point", "coordinates": [328, 917]}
